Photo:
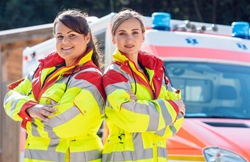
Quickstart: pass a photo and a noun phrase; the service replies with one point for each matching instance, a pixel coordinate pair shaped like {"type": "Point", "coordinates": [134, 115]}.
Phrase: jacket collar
{"type": "Point", "coordinates": [51, 61]}
{"type": "Point", "coordinates": [148, 60]}
{"type": "Point", "coordinates": [54, 59]}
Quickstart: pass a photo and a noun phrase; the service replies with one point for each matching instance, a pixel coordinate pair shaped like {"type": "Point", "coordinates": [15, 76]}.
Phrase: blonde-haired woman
{"type": "Point", "coordinates": [142, 108]}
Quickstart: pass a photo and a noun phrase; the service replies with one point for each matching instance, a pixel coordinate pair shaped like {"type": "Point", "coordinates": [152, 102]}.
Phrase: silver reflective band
{"type": "Point", "coordinates": [164, 110]}
{"type": "Point", "coordinates": [85, 156]}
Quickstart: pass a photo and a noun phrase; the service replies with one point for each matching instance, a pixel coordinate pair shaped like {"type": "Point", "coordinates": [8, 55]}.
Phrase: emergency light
{"type": "Point", "coordinates": [161, 21]}
{"type": "Point", "coordinates": [240, 29]}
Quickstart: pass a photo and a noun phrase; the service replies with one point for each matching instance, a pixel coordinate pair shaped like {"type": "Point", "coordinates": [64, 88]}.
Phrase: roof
{"type": "Point", "coordinates": [26, 33]}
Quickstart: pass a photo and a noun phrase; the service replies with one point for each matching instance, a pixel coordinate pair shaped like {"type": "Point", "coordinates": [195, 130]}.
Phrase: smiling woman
{"type": "Point", "coordinates": [61, 103]}
{"type": "Point", "coordinates": [142, 108]}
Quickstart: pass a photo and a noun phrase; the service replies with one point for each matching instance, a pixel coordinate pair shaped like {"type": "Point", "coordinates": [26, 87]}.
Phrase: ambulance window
{"type": "Point", "coordinates": [212, 90]}
{"type": "Point", "coordinates": [194, 90]}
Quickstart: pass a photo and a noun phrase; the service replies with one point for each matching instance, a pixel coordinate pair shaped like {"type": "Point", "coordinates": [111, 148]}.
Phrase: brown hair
{"type": "Point", "coordinates": [76, 20]}
{"type": "Point", "coordinates": [125, 15]}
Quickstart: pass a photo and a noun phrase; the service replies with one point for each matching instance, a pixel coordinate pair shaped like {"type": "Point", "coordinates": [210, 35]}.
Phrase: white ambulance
{"type": "Point", "coordinates": [211, 68]}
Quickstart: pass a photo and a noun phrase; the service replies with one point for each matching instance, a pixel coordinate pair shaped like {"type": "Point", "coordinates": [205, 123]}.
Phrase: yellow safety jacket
{"type": "Point", "coordinates": [138, 130]}
{"type": "Point", "coordinates": [70, 135]}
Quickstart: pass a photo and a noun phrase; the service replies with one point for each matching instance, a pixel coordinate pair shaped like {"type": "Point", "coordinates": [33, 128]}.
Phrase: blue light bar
{"type": "Point", "coordinates": [161, 21]}
{"type": "Point", "coordinates": [240, 29]}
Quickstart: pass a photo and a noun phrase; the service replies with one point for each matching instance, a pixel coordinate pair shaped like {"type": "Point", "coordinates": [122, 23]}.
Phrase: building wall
{"type": "Point", "coordinates": [12, 58]}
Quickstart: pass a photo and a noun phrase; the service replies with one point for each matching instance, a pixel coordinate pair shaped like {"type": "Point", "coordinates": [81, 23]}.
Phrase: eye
{"type": "Point", "coordinates": [72, 35]}
{"type": "Point", "coordinates": [135, 32]}
{"type": "Point", "coordinates": [122, 33]}
{"type": "Point", "coordinates": [59, 37]}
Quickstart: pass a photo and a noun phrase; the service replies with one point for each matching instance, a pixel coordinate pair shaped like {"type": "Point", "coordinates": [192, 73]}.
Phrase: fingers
{"type": "Point", "coordinates": [42, 117]}
{"type": "Point", "coordinates": [41, 111]}
{"type": "Point", "coordinates": [47, 112]}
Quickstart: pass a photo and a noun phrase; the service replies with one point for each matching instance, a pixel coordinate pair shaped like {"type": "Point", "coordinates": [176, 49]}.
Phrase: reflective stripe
{"type": "Point", "coordinates": [46, 155]}
{"type": "Point", "coordinates": [173, 129]}
{"type": "Point", "coordinates": [83, 84]}
{"type": "Point", "coordinates": [62, 118]}
{"type": "Point", "coordinates": [167, 117]}
{"type": "Point", "coordinates": [118, 70]}
{"type": "Point", "coordinates": [7, 98]}
{"type": "Point", "coordinates": [50, 131]}
{"type": "Point", "coordinates": [161, 132]}
{"type": "Point", "coordinates": [147, 110]}
{"type": "Point", "coordinates": [108, 104]}
{"type": "Point", "coordinates": [34, 128]}
{"type": "Point", "coordinates": [162, 152]}
{"type": "Point", "coordinates": [30, 76]}
{"type": "Point", "coordinates": [85, 156]}
{"type": "Point", "coordinates": [139, 154]}
{"type": "Point", "coordinates": [62, 80]}
{"type": "Point", "coordinates": [154, 118]}
{"type": "Point", "coordinates": [121, 85]}
{"type": "Point", "coordinates": [91, 69]}
{"type": "Point", "coordinates": [14, 102]}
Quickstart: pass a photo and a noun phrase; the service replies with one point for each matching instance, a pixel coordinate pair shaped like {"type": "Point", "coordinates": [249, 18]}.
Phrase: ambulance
{"type": "Point", "coordinates": [210, 64]}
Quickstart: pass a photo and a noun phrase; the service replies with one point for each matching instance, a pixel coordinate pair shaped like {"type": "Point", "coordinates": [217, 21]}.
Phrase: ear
{"type": "Point", "coordinates": [113, 40]}
{"type": "Point", "coordinates": [87, 38]}
{"type": "Point", "coordinates": [143, 37]}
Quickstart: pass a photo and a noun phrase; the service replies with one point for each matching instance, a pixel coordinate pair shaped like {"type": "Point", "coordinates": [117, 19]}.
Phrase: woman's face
{"type": "Point", "coordinates": [70, 45]}
{"type": "Point", "coordinates": [129, 37]}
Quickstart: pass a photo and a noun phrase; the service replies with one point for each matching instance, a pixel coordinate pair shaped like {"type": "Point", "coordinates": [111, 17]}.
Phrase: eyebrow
{"type": "Point", "coordinates": [125, 31]}
{"type": "Point", "coordinates": [67, 32]}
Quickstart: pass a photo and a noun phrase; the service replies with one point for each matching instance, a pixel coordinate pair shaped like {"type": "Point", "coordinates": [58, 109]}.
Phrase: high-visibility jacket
{"type": "Point", "coordinates": [70, 135]}
{"type": "Point", "coordinates": [138, 130]}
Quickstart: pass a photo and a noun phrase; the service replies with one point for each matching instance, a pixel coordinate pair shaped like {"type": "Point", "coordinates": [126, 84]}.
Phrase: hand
{"type": "Point", "coordinates": [41, 111]}
{"type": "Point", "coordinates": [132, 96]}
{"type": "Point", "coordinates": [181, 106]}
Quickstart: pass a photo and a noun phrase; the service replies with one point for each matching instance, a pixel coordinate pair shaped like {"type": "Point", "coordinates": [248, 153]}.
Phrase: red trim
{"type": "Point", "coordinates": [36, 83]}
{"type": "Point", "coordinates": [150, 61]}
{"type": "Point", "coordinates": [15, 84]}
{"type": "Point", "coordinates": [175, 106]}
{"type": "Point", "coordinates": [199, 53]}
{"type": "Point", "coordinates": [157, 81]}
{"type": "Point", "coordinates": [78, 108]}
{"type": "Point", "coordinates": [112, 77]}
{"type": "Point", "coordinates": [95, 79]}
{"type": "Point", "coordinates": [26, 118]}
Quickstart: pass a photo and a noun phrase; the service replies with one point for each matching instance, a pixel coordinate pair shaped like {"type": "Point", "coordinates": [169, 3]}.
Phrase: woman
{"type": "Point", "coordinates": [142, 109]}
{"type": "Point", "coordinates": [61, 102]}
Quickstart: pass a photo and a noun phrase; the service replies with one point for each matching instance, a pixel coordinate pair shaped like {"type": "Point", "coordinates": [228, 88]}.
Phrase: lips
{"type": "Point", "coordinates": [129, 46]}
{"type": "Point", "coordinates": [67, 48]}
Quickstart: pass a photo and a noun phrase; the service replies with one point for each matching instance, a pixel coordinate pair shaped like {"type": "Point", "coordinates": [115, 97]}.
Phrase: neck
{"type": "Point", "coordinates": [134, 58]}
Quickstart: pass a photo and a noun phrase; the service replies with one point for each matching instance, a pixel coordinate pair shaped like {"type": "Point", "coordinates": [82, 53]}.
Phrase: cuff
{"type": "Point", "coordinates": [175, 106]}
{"type": "Point", "coordinates": [26, 118]}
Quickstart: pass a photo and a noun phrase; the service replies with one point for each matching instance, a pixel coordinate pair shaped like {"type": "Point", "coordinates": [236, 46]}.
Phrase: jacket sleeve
{"type": "Point", "coordinates": [17, 100]}
{"type": "Point", "coordinates": [80, 107]}
{"type": "Point", "coordinates": [172, 94]}
{"type": "Point", "coordinates": [140, 116]}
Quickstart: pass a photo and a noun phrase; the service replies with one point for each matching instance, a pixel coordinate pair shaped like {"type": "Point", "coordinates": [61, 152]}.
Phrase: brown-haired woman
{"type": "Point", "coordinates": [142, 108]}
{"type": "Point", "coordinates": [61, 102]}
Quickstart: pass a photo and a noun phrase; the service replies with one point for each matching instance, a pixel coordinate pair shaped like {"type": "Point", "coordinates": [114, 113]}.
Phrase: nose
{"type": "Point", "coordinates": [65, 40]}
{"type": "Point", "coordinates": [129, 38]}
